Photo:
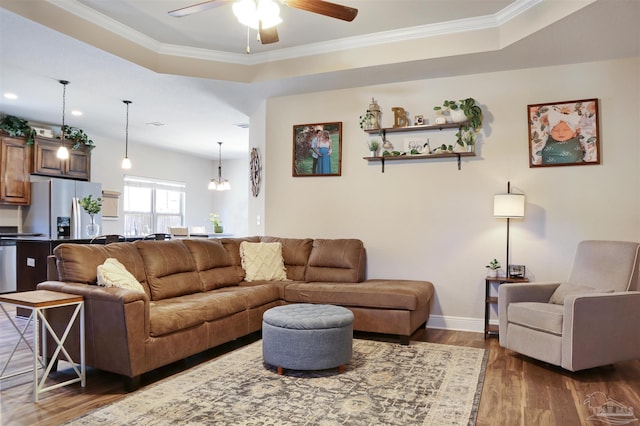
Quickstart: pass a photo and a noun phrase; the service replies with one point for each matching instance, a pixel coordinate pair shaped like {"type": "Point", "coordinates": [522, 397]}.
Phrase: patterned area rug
{"type": "Point", "coordinates": [385, 383]}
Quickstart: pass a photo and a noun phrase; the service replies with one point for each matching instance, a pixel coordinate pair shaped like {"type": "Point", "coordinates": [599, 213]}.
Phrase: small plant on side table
{"type": "Point", "coordinates": [492, 268]}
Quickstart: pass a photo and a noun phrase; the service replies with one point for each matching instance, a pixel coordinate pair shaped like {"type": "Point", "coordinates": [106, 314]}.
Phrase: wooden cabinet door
{"type": "Point", "coordinates": [45, 160]}
{"type": "Point", "coordinates": [47, 163]}
{"type": "Point", "coordinates": [79, 164]}
{"type": "Point", "coordinates": [15, 167]}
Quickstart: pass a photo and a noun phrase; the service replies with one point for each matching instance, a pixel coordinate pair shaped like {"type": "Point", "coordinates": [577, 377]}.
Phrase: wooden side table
{"type": "Point", "coordinates": [38, 301]}
{"type": "Point", "coordinates": [489, 300]}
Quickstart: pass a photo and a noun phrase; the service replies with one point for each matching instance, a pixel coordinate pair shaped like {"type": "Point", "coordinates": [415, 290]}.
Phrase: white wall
{"type": "Point", "coordinates": [425, 219]}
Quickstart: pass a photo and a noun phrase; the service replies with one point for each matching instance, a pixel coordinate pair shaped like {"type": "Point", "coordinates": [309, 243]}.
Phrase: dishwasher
{"type": "Point", "coordinates": [8, 281]}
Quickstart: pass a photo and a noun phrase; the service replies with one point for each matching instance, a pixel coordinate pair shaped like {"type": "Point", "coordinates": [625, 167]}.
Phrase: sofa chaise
{"type": "Point", "coordinates": [197, 295]}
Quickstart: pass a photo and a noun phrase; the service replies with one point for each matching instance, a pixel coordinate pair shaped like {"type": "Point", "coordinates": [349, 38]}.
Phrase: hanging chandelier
{"type": "Point", "coordinates": [63, 152]}
{"type": "Point", "coordinates": [126, 163]}
{"type": "Point", "coordinates": [219, 184]}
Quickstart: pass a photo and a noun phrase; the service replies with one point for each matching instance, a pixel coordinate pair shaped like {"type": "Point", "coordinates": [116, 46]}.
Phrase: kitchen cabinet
{"type": "Point", "coordinates": [15, 167]}
{"type": "Point", "coordinates": [47, 163]}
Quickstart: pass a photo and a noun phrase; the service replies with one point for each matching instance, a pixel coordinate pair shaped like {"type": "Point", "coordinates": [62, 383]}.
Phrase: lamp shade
{"type": "Point", "coordinates": [508, 205]}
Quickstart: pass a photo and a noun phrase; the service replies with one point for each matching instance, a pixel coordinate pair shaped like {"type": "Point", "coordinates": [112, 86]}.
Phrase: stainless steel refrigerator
{"type": "Point", "coordinates": [54, 210]}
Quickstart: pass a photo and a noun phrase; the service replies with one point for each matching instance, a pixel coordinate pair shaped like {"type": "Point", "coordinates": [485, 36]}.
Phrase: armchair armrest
{"type": "Point", "coordinates": [520, 292]}
{"type": "Point", "coordinates": [116, 325]}
{"type": "Point", "coordinates": [600, 329]}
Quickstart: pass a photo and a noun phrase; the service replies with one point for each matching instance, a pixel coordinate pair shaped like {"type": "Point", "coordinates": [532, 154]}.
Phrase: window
{"type": "Point", "coordinates": [152, 206]}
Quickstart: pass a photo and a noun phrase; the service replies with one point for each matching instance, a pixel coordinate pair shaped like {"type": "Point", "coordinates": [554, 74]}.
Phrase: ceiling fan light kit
{"type": "Point", "coordinates": [265, 13]}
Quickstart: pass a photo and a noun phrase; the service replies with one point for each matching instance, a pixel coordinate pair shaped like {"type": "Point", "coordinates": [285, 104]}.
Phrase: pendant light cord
{"type": "Point", "coordinates": [126, 132]}
{"type": "Point", "coordinates": [64, 103]}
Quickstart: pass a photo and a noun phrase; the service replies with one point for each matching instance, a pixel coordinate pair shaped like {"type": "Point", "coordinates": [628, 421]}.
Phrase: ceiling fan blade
{"type": "Point", "coordinates": [325, 8]}
{"type": "Point", "coordinates": [197, 8]}
{"type": "Point", "coordinates": [268, 35]}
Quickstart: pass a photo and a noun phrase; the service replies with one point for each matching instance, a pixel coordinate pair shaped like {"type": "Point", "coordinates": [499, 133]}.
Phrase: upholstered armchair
{"type": "Point", "coordinates": [591, 320]}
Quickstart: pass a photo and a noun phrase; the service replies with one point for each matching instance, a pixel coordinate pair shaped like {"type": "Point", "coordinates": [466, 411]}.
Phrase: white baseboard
{"type": "Point", "coordinates": [475, 325]}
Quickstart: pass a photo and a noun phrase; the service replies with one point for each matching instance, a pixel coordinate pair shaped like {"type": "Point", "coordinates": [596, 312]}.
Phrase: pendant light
{"type": "Point", "coordinates": [219, 184]}
{"type": "Point", "coordinates": [126, 163]}
{"type": "Point", "coordinates": [63, 152]}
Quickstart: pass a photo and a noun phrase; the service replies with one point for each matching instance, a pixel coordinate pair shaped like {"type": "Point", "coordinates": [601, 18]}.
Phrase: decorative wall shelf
{"type": "Point", "coordinates": [427, 127]}
{"type": "Point", "coordinates": [384, 158]}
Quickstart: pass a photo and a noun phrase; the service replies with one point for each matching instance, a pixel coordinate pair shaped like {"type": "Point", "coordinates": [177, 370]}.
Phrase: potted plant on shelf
{"type": "Point", "coordinates": [92, 206]}
{"type": "Point", "coordinates": [15, 126]}
{"type": "Point", "coordinates": [492, 268]}
{"type": "Point", "coordinates": [374, 145]}
{"type": "Point", "coordinates": [216, 222]}
{"type": "Point", "coordinates": [467, 112]}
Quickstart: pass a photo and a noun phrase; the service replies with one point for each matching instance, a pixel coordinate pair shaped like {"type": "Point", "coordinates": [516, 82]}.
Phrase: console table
{"type": "Point", "coordinates": [489, 300]}
{"type": "Point", "coordinates": [38, 301]}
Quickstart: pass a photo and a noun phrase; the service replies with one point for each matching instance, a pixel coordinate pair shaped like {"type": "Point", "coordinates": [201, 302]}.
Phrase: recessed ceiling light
{"type": "Point", "coordinates": [11, 96]}
{"type": "Point", "coordinates": [76, 113]}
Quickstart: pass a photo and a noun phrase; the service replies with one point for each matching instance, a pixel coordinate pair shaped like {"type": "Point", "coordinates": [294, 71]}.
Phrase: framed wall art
{"type": "Point", "coordinates": [564, 133]}
{"type": "Point", "coordinates": [317, 149]}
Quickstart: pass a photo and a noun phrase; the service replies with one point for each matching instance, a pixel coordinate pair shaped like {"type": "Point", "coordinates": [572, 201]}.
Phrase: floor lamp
{"type": "Point", "coordinates": [508, 206]}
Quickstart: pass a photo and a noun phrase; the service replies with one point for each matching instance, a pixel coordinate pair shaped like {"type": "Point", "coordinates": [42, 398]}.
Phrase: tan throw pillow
{"type": "Point", "coordinates": [114, 274]}
{"type": "Point", "coordinates": [262, 261]}
{"type": "Point", "coordinates": [566, 289]}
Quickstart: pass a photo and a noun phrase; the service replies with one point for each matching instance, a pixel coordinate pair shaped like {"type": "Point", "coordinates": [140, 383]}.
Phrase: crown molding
{"type": "Point", "coordinates": [503, 16]}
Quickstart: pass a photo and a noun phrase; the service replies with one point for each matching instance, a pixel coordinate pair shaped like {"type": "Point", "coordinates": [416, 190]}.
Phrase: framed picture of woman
{"type": "Point", "coordinates": [317, 149]}
{"type": "Point", "coordinates": [564, 133]}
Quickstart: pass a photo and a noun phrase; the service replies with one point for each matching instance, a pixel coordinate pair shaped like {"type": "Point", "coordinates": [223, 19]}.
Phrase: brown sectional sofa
{"type": "Point", "coordinates": [195, 296]}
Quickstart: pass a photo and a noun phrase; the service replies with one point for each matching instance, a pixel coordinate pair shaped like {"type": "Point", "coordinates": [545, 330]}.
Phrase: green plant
{"type": "Point", "coordinates": [15, 126]}
{"type": "Point", "coordinates": [472, 111]}
{"type": "Point", "coordinates": [468, 138]}
{"type": "Point", "coordinates": [374, 145]}
{"type": "Point", "coordinates": [215, 219]}
{"type": "Point", "coordinates": [494, 264]}
{"type": "Point", "coordinates": [78, 136]}
{"type": "Point", "coordinates": [91, 205]}
{"type": "Point", "coordinates": [364, 119]}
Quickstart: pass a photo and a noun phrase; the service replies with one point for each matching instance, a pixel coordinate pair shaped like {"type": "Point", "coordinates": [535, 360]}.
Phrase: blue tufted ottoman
{"type": "Point", "coordinates": [307, 337]}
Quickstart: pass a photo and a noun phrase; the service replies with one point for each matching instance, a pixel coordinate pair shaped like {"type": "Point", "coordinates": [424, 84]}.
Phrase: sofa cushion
{"type": "Point", "coordinates": [566, 289]}
{"type": "Point", "coordinates": [113, 274]}
{"type": "Point", "coordinates": [171, 271]}
{"type": "Point", "coordinates": [295, 252]}
{"type": "Point", "coordinates": [262, 261]}
{"type": "Point", "coordinates": [384, 294]}
{"type": "Point", "coordinates": [213, 263]}
{"type": "Point", "coordinates": [340, 260]}
{"type": "Point", "coordinates": [178, 313]}
{"type": "Point", "coordinates": [232, 246]}
{"type": "Point", "coordinates": [79, 262]}
{"type": "Point", "coordinates": [545, 317]}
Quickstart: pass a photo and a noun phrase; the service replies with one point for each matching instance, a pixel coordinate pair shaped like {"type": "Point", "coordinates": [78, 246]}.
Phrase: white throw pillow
{"type": "Point", "coordinates": [112, 273]}
{"type": "Point", "coordinates": [566, 289]}
{"type": "Point", "coordinates": [262, 261]}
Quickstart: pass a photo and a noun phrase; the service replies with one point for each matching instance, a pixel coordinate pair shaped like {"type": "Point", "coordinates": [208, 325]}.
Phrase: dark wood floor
{"type": "Point", "coordinates": [517, 390]}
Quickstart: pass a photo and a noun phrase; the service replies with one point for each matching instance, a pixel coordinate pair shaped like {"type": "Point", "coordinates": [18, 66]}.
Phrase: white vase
{"type": "Point", "coordinates": [457, 115]}
{"type": "Point", "coordinates": [492, 273]}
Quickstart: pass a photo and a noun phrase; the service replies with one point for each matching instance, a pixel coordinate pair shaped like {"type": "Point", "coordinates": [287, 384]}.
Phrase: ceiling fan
{"type": "Point", "coordinates": [249, 13]}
